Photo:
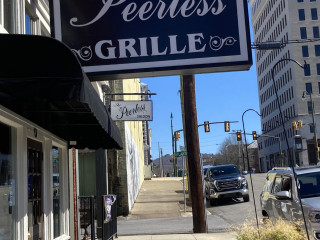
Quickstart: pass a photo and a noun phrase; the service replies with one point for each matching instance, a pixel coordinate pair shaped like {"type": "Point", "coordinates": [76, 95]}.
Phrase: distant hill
{"type": "Point", "coordinates": [168, 163]}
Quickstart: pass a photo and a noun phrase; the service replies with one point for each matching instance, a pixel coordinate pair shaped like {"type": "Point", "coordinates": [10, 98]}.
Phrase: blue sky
{"type": "Point", "coordinates": [219, 97]}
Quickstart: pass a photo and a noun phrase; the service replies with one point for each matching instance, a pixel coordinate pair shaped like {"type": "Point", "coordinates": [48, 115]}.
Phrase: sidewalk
{"type": "Point", "coordinates": [159, 214]}
{"type": "Point", "coordinates": [191, 236]}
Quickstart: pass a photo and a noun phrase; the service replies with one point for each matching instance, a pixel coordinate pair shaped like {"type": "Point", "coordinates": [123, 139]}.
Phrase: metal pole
{"type": "Point", "coordinates": [193, 149]}
{"type": "Point", "coordinates": [244, 165]}
{"type": "Point", "coordinates": [314, 129]}
{"type": "Point", "coordinates": [160, 164]}
{"type": "Point", "coordinates": [162, 173]}
{"type": "Point", "coordinates": [184, 187]}
{"type": "Point", "coordinates": [280, 153]}
{"type": "Point", "coordinates": [172, 139]}
{"type": "Point", "coordinates": [285, 132]}
{"type": "Point", "coordinates": [246, 145]}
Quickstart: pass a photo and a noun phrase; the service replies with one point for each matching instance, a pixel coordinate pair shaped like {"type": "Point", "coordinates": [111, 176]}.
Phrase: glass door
{"type": "Point", "coordinates": [35, 203]}
{"type": "Point", "coordinates": [7, 183]}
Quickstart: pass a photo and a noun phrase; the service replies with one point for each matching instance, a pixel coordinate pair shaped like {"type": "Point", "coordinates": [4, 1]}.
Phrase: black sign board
{"type": "Point", "coordinates": [129, 38]}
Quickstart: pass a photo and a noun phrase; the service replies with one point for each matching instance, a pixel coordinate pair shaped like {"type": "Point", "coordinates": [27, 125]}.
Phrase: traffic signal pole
{"type": "Point", "coordinates": [193, 150]}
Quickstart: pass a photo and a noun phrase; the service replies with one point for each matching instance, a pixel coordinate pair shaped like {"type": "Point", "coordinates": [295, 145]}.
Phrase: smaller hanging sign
{"type": "Point", "coordinates": [131, 110]}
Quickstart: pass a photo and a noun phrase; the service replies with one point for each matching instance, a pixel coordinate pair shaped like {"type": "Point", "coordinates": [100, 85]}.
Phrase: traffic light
{"type": "Point", "coordinates": [238, 136]}
{"type": "Point", "coordinates": [177, 135]}
{"type": "Point", "coordinates": [294, 126]}
{"type": "Point", "coordinates": [300, 124]}
{"type": "Point", "coordinates": [227, 126]}
{"type": "Point", "coordinates": [206, 126]}
{"type": "Point", "coordinates": [254, 135]}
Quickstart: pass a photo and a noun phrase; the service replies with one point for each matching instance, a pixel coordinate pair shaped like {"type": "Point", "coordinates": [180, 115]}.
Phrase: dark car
{"type": "Point", "coordinates": [225, 182]}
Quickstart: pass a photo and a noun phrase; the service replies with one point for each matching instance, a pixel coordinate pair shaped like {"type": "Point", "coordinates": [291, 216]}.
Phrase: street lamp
{"type": "Point", "coordinates": [278, 101]}
{"type": "Point", "coordinates": [284, 129]}
{"type": "Point", "coordinates": [313, 123]}
{"type": "Point", "coordinates": [246, 145]}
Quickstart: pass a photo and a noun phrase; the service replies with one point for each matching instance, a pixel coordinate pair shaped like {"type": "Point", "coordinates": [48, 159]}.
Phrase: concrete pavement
{"type": "Point", "coordinates": [160, 213]}
{"type": "Point", "coordinates": [191, 236]}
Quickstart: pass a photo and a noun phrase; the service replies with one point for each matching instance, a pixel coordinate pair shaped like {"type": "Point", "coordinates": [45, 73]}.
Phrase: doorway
{"type": "Point", "coordinates": [35, 196]}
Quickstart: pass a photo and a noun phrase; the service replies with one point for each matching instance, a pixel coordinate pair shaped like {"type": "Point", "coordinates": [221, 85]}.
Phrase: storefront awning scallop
{"type": "Point", "coordinates": [42, 80]}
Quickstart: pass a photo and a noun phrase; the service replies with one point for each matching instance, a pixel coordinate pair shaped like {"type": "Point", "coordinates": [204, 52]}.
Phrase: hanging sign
{"type": "Point", "coordinates": [131, 110]}
{"type": "Point", "coordinates": [127, 38]}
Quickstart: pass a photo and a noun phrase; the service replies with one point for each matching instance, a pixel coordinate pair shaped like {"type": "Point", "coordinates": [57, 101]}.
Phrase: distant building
{"type": "Point", "coordinates": [295, 23]}
{"type": "Point", "coordinates": [208, 159]}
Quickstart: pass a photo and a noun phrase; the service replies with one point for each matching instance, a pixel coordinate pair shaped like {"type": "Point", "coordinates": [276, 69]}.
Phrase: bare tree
{"type": "Point", "coordinates": [230, 152]}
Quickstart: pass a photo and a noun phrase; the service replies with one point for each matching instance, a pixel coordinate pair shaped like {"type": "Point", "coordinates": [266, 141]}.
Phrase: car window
{"type": "Point", "coordinates": [277, 185]}
{"type": "Point", "coordinates": [224, 170]}
{"type": "Point", "coordinates": [286, 184]}
{"type": "Point", "coordinates": [268, 182]}
{"type": "Point", "coordinates": [309, 184]}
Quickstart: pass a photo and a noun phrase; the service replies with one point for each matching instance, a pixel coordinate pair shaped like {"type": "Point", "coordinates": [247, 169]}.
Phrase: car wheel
{"type": "Point", "coordinates": [213, 202]}
{"type": "Point", "coordinates": [246, 198]}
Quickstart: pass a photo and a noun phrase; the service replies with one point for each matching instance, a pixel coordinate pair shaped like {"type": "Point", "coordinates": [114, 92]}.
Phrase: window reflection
{"type": "Point", "coordinates": [56, 190]}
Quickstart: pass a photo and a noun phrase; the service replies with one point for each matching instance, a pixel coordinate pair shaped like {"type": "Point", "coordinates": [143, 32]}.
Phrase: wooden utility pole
{"type": "Point", "coordinates": [193, 150]}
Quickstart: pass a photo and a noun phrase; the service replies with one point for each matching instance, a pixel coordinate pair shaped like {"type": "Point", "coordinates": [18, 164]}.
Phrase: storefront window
{"type": "Point", "coordinates": [56, 191]}
{"type": "Point", "coordinates": [7, 183]}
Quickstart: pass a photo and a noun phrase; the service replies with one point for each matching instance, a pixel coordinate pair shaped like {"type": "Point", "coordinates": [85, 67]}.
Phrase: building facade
{"type": "Point", "coordinates": [48, 110]}
{"type": "Point", "coordinates": [295, 24]}
{"type": "Point", "coordinates": [126, 174]}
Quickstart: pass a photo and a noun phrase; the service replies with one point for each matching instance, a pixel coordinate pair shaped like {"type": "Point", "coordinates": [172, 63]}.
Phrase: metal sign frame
{"type": "Point", "coordinates": [116, 39]}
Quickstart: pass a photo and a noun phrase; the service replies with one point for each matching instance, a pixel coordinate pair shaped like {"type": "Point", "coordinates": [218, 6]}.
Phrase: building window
{"type": "Point", "coordinates": [317, 50]}
{"type": "Point", "coordinates": [307, 70]}
{"type": "Point", "coordinates": [312, 0]}
{"type": "Point", "coordinates": [314, 14]}
{"type": "Point", "coordinates": [305, 51]}
{"type": "Point", "coordinates": [309, 107]}
{"type": "Point", "coordinates": [8, 15]}
{"type": "Point", "coordinates": [311, 128]}
{"type": "Point", "coordinates": [302, 16]}
{"type": "Point", "coordinates": [308, 87]}
{"type": "Point", "coordinates": [318, 68]}
{"type": "Point", "coordinates": [316, 33]}
{"type": "Point", "coordinates": [303, 32]}
{"type": "Point", "coordinates": [27, 24]}
{"type": "Point", "coordinates": [300, 0]}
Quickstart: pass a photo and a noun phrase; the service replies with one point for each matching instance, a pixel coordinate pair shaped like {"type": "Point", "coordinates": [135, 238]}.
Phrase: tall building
{"type": "Point", "coordinates": [294, 23]}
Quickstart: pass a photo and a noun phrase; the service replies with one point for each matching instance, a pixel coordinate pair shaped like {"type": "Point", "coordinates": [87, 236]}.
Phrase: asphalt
{"type": "Point", "coordinates": [162, 212]}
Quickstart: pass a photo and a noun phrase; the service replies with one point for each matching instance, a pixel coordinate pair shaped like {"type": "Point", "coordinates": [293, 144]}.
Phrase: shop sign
{"type": "Point", "coordinates": [131, 110]}
{"type": "Point", "coordinates": [125, 38]}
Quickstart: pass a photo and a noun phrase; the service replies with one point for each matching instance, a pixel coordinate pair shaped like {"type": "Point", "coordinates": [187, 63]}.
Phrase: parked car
{"type": "Point", "coordinates": [280, 196]}
{"type": "Point", "coordinates": [205, 168]}
{"type": "Point", "coordinates": [225, 182]}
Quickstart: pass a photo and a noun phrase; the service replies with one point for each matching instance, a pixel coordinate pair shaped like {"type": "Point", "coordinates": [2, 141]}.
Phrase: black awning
{"type": "Point", "coordinates": [42, 80]}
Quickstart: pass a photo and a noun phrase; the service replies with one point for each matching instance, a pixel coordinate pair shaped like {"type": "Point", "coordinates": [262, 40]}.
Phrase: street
{"type": "Point", "coordinates": [160, 210]}
{"type": "Point", "coordinates": [236, 211]}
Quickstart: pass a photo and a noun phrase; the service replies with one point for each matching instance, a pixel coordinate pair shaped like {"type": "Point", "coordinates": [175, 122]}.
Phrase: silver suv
{"type": "Point", "coordinates": [279, 197]}
{"type": "Point", "coordinates": [225, 181]}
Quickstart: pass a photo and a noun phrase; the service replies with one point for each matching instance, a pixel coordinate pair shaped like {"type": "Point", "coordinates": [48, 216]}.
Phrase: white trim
{"type": "Point", "coordinates": [24, 129]}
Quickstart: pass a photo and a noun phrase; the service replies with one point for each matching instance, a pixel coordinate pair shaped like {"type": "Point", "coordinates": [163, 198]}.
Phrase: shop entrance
{"type": "Point", "coordinates": [35, 196]}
